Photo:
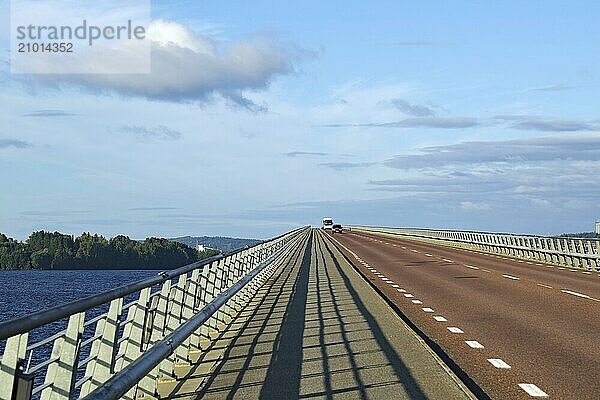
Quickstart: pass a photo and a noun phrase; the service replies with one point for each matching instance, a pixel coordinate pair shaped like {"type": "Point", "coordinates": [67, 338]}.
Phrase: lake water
{"type": "Point", "coordinates": [24, 292]}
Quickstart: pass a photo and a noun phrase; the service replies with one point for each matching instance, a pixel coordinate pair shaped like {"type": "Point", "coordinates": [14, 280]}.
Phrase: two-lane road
{"type": "Point", "coordinates": [519, 329]}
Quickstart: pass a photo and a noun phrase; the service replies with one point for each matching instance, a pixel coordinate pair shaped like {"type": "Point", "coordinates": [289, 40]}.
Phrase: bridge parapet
{"type": "Point", "coordinates": [123, 342]}
{"type": "Point", "coordinates": [569, 252]}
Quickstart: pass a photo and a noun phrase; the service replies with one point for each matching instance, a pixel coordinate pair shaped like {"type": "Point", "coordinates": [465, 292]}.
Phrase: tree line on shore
{"type": "Point", "coordinates": [54, 250]}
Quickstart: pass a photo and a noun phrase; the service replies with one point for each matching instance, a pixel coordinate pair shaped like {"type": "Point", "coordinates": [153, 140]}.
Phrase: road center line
{"type": "Point", "coordinates": [428, 255]}
{"type": "Point", "coordinates": [542, 285]}
{"type": "Point", "coordinates": [445, 259]}
{"type": "Point", "coordinates": [533, 390]}
{"type": "Point", "coordinates": [498, 363]}
{"type": "Point", "coordinates": [516, 278]}
{"type": "Point", "coordinates": [471, 266]}
{"type": "Point", "coordinates": [585, 296]}
{"type": "Point", "coordinates": [474, 344]}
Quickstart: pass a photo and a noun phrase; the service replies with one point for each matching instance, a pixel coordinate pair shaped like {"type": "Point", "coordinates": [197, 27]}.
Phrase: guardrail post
{"type": "Point", "coordinates": [61, 374]}
{"type": "Point", "coordinates": [173, 321]}
{"type": "Point", "coordinates": [133, 331]}
{"type": "Point", "coordinates": [208, 295]}
{"type": "Point", "coordinates": [13, 356]}
{"type": "Point", "coordinates": [220, 276]}
{"type": "Point", "coordinates": [160, 304]}
{"type": "Point", "coordinates": [104, 348]}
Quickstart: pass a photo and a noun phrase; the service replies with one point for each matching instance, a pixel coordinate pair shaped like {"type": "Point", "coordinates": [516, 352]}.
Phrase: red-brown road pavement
{"type": "Point", "coordinates": [542, 321]}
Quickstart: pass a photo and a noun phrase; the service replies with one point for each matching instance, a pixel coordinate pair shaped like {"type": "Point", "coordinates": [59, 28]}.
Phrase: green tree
{"type": "Point", "coordinates": [41, 259]}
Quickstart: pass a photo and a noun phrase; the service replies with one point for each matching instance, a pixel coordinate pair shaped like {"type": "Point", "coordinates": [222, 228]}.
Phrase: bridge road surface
{"type": "Point", "coordinates": [316, 329]}
{"type": "Point", "coordinates": [542, 321]}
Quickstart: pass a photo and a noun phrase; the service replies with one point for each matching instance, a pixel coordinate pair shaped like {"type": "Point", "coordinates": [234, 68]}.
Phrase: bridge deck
{"type": "Point", "coordinates": [317, 330]}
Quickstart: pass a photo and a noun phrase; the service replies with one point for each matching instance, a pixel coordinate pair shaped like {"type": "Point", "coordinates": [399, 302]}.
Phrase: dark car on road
{"type": "Point", "coordinates": [337, 228]}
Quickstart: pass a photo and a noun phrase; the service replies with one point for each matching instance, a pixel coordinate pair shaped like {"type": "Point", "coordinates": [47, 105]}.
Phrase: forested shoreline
{"type": "Point", "coordinates": [54, 250]}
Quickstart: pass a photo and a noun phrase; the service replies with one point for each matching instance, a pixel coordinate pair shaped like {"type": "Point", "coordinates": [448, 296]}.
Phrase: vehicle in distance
{"type": "Point", "coordinates": [327, 223]}
{"type": "Point", "coordinates": [336, 228]}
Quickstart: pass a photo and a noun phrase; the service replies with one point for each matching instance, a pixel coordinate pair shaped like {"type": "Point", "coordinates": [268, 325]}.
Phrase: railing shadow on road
{"type": "Point", "coordinates": [401, 371]}
{"type": "Point", "coordinates": [266, 307]}
{"type": "Point", "coordinates": [293, 347]}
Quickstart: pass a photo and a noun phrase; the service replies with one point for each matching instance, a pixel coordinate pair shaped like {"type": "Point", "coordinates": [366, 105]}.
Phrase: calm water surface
{"type": "Point", "coordinates": [24, 292]}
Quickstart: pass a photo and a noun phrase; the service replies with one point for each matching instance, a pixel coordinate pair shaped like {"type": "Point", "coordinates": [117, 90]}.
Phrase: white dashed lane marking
{"type": "Point", "coordinates": [445, 259]}
{"type": "Point", "coordinates": [582, 295]}
{"type": "Point", "coordinates": [533, 390]}
{"type": "Point", "coordinates": [546, 286]}
{"type": "Point", "coordinates": [454, 329]}
{"type": "Point", "coordinates": [417, 301]}
{"type": "Point", "coordinates": [402, 290]}
{"type": "Point", "coordinates": [516, 278]}
{"type": "Point", "coordinates": [439, 318]}
{"type": "Point", "coordinates": [427, 309]}
{"type": "Point", "coordinates": [498, 363]}
{"type": "Point", "coordinates": [428, 255]}
{"type": "Point", "coordinates": [395, 286]}
{"type": "Point", "coordinates": [408, 295]}
{"type": "Point", "coordinates": [474, 344]}
{"type": "Point", "coordinates": [471, 266]}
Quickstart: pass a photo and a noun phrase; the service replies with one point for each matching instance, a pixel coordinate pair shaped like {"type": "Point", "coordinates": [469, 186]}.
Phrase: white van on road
{"type": "Point", "coordinates": [327, 223]}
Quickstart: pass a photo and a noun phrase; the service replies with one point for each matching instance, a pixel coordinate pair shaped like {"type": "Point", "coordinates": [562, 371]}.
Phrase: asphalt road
{"type": "Point", "coordinates": [520, 330]}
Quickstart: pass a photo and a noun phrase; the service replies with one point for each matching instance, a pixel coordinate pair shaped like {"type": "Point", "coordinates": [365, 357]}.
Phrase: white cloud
{"type": "Point", "coordinates": [537, 202]}
{"type": "Point", "coordinates": [473, 206]}
{"type": "Point", "coordinates": [186, 67]}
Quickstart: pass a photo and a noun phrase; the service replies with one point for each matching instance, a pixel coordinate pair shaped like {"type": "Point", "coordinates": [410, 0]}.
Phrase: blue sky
{"type": "Point", "coordinates": [468, 115]}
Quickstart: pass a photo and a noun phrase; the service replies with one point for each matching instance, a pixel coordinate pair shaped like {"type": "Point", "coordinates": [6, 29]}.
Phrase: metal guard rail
{"type": "Point", "coordinates": [35, 320]}
{"type": "Point", "coordinates": [570, 252]}
{"type": "Point", "coordinates": [127, 378]}
{"type": "Point", "coordinates": [205, 296]}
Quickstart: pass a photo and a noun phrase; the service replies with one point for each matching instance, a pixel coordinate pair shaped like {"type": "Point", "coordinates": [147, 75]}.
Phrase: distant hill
{"type": "Point", "coordinates": [585, 235]}
{"type": "Point", "coordinates": [225, 244]}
